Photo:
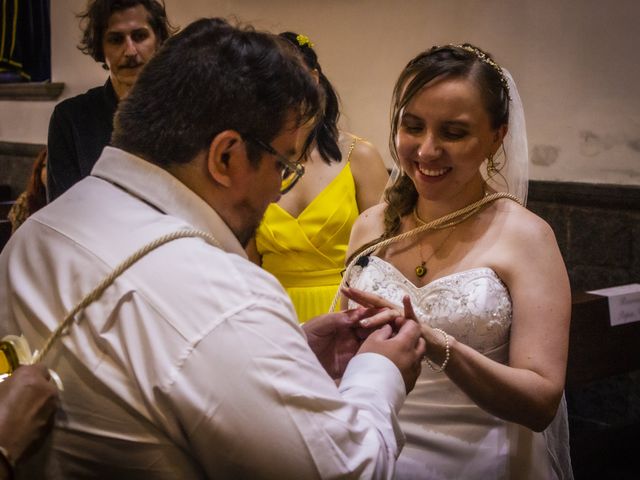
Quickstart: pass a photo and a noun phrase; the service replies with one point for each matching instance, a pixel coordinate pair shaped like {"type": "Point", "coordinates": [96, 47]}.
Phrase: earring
{"type": "Point", "coordinates": [491, 166]}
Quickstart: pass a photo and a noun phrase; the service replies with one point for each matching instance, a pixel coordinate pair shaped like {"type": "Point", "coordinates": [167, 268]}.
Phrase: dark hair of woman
{"type": "Point", "coordinates": [326, 132]}
{"type": "Point", "coordinates": [35, 195]}
{"type": "Point", "coordinates": [95, 18]}
{"type": "Point", "coordinates": [448, 62]}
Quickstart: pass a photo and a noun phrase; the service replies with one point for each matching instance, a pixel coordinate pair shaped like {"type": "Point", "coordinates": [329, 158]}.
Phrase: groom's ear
{"type": "Point", "coordinates": [225, 157]}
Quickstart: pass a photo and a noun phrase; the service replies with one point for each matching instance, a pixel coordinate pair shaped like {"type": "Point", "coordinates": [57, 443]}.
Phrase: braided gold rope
{"type": "Point", "coordinates": [108, 280]}
{"type": "Point", "coordinates": [446, 221]}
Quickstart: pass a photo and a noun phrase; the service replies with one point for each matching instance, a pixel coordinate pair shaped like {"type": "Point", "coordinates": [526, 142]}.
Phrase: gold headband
{"type": "Point", "coordinates": [483, 57]}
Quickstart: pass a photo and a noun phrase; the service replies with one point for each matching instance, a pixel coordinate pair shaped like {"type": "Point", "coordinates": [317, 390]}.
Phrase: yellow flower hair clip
{"type": "Point", "coordinates": [304, 40]}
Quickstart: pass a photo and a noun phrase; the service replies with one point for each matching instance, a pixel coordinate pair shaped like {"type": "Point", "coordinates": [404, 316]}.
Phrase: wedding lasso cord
{"type": "Point", "coordinates": [109, 279]}
{"type": "Point", "coordinates": [449, 220]}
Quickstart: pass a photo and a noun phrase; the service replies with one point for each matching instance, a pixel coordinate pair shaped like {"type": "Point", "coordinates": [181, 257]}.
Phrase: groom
{"type": "Point", "coordinates": [191, 363]}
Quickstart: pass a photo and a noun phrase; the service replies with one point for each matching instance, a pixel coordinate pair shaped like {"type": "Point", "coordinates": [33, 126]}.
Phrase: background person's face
{"type": "Point", "coordinates": [128, 43]}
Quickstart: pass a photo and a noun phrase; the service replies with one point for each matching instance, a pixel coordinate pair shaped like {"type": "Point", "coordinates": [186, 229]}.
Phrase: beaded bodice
{"type": "Point", "coordinates": [473, 305]}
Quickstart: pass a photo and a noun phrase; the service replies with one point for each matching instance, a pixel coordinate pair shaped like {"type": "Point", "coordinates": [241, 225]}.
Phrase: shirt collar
{"type": "Point", "coordinates": [110, 95]}
{"type": "Point", "coordinates": [165, 192]}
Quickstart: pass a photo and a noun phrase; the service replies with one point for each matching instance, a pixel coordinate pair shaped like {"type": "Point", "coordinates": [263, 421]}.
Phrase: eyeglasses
{"type": "Point", "coordinates": [290, 171]}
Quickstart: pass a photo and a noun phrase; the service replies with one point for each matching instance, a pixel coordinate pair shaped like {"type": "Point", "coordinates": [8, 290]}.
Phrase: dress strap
{"type": "Point", "coordinates": [352, 146]}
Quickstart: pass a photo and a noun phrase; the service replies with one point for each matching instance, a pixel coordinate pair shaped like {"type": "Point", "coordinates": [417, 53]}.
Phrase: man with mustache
{"type": "Point", "coordinates": [122, 35]}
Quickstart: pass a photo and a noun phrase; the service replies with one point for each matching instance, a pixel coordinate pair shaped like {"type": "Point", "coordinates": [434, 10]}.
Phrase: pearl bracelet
{"type": "Point", "coordinates": [447, 353]}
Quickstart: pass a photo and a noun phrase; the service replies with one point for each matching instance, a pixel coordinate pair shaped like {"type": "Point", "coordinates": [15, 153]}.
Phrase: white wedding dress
{"type": "Point", "coordinates": [448, 435]}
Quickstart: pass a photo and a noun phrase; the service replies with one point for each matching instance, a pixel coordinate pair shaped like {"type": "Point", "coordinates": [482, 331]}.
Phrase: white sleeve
{"type": "Point", "coordinates": [254, 402]}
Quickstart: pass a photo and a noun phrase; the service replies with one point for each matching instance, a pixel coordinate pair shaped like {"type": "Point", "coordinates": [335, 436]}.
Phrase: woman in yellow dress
{"type": "Point", "coordinates": [303, 238]}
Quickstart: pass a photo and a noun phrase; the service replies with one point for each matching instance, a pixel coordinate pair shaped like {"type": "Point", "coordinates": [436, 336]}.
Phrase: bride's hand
{"type": "Point", "coordinates": [370, 300]}
{"type": "Point", "coordinates": [365, 299]}
{"type": "Point", "coordinates": [434, 338]}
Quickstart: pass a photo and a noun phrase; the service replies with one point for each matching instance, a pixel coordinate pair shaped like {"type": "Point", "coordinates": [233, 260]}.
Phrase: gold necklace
{"type": "Point", "coordinates": [421, 269]}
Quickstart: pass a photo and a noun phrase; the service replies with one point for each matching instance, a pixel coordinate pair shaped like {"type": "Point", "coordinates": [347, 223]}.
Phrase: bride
{"type": "Point", "coordinates": [483, 275]}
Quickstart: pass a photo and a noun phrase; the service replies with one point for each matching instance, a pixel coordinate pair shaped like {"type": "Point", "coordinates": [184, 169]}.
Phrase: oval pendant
{"type": "Point", "coordinates": [421, 270]}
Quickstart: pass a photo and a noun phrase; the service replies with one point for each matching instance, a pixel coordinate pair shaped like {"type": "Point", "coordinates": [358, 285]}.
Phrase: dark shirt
{"type": "Point", "coordinates": [80, 127]}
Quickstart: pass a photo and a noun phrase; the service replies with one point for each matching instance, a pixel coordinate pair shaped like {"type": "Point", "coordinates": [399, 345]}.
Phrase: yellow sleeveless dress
{"type": "Point", "coordinates": [306, 253]}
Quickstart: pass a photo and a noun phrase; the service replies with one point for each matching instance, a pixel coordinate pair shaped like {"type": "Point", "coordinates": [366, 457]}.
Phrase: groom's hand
{"type": "Point", "coordinates": [336, 337]}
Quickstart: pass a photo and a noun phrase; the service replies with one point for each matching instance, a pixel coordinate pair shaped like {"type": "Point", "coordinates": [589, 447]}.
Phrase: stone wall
{"type": "Point", "coordinates": [597, 228]}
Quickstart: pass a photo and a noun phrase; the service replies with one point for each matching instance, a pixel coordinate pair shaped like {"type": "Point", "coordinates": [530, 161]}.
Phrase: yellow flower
{"type": "Point", "coordinates": [304, 40]}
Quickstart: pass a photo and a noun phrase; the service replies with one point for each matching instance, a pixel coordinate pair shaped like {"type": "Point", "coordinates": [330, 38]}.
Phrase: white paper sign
{"type": "Point", "coordinates": [624, 303]}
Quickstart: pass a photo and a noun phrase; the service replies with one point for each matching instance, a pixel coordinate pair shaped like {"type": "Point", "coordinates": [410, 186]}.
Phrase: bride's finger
{"type": "Point", "coordinates": [378, 318]}
{"type": "Point", "coordinates": [408, 308]}
{"type": "Point", "coordinates": [366, 299]}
